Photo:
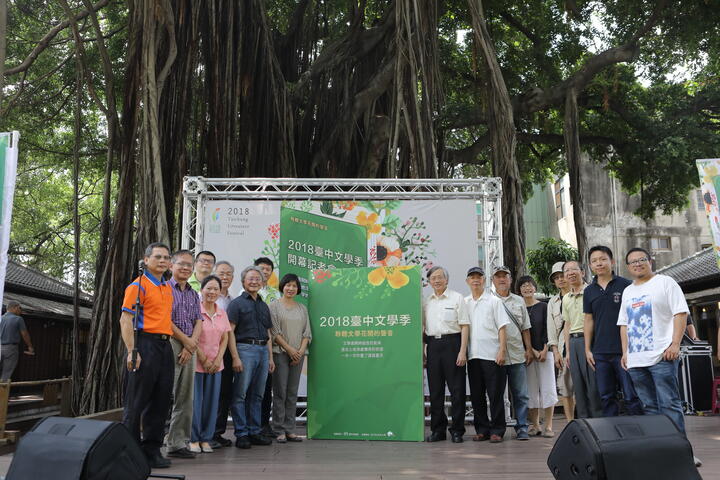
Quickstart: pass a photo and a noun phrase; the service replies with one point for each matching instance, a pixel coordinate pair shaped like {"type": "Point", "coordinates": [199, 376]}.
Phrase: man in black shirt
{"type": "Point", "coordinates": [250, 317]}
{"type": "Point", "coordinates": [603, 350]}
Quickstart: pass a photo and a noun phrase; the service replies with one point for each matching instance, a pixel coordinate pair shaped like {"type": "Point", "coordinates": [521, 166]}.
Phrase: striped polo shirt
{"type": "Point", "coordinates": [156, 298]}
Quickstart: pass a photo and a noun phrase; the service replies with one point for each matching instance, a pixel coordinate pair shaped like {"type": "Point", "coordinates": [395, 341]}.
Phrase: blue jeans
{"type": "Point", "coordinates": [205, 406]}
{"type": "Point", "coordinates": [657, 387]}
{"type": "Point", "coordinates": [248, 389]}
{"type": "Point", "coordinates": [608, 374]}
{"type": "Point", "coordinates": [517, 381]}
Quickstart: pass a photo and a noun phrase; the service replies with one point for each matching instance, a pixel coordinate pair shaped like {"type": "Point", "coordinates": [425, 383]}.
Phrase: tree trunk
{"type": "Point", "coordinates": [77, 371]}
{"type": "Point", "coordinates": [503, 141]}
{"type": "Point", "coordinates": [572, 155]}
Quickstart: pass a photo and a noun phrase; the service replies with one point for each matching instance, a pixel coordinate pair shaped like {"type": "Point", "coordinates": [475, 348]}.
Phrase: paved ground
{"type": "Point", "coordinates": [323, 459]}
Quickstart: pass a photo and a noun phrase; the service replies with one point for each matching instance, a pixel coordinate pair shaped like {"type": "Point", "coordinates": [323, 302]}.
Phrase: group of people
{"type": "Point", "coordinates": [197, 354]}
{"type": "Point", "coordinates": [588, 343]}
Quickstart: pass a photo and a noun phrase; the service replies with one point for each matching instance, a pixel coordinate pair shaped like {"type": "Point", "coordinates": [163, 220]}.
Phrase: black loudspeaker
{"type": "Point", "coordinates": [646, 447]}
{"type": "Point", "coordinates": [61, 448]}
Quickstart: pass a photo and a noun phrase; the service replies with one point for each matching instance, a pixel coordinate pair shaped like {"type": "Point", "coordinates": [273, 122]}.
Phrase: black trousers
{"type": "Point", "coordinates": [266, 404]}
{"type": "Point", "coordinates": [487, 377]}
{"type": "Point", "coordinates": [148, 392]}
{"type": "Point", "coordinates": [441, 369]}
{"type": "Point", "coordinates": [226, 394]}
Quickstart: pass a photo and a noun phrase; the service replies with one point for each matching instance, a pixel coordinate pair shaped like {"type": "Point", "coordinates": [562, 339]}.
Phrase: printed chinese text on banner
{"type": "Point", "coordinates": [709, 171]}
{"type": "Point", "coordinates": [366, 380]}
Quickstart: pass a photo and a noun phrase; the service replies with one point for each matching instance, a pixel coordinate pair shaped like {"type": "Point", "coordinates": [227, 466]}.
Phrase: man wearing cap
{"type": "Point", "coordinates": [519, 347]}
{"type": "Point", "coordinates": [487, 353]}
{"type": "Point", "coordinates": [446, 324]}
{"type": "Point", "coordinates": [587, 399]}
{"type": "Point", "coordinates": [556, 340]}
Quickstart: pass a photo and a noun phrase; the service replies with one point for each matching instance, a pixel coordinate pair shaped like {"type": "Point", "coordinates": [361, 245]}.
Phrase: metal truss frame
{"type": "Point", "coordinates": [486, 191]}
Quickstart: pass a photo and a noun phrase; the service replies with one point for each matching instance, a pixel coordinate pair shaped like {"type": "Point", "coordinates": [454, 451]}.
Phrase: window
{"type": "Point", "coordinates": [660, 243]}
{"type": "Point", "coordinates": [700, 201]}
{"type": "Point", "coordinates": [702, 247]}
{"type": "Point", "coordinates": [559, 204]}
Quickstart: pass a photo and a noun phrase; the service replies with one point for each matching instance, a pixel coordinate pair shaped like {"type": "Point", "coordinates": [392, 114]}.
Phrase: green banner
{"type": "Point", "coordinates": [309, 242]}
{"type": "Point", "coordinates": [365, 378]}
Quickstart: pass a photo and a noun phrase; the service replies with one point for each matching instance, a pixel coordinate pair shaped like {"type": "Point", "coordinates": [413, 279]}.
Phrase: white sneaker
{"type": "Point", "coordinates": [698, 463]}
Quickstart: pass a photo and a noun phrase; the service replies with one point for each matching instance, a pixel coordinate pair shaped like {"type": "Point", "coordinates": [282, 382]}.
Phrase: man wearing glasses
{"type": "Point", "coordinates": [204, 264]}
{"type": "Point", "coordinates": [652, 320]}
{"type": "Point", "coordinates": [186, 327]}
{"type": "Point", "coordinates": [587, 399]}
{"type": "Point", "coordinates": [150, 374]}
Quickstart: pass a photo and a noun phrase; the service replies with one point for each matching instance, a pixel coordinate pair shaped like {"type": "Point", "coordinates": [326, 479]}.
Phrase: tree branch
{"type": "Point", "coordinates": [45, 41]}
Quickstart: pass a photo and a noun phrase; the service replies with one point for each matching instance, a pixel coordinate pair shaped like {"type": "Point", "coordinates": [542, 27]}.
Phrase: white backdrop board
{"type": "Point", "coordinates": [400, 232]}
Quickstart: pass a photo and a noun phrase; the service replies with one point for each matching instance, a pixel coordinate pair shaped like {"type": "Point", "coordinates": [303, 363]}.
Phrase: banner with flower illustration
{"type": "Point", "coordinates": [366, 380]}
{"type": "Point", "coordinates": [709, 170]}
{"type": "Point", "coordinates": [398, 232]}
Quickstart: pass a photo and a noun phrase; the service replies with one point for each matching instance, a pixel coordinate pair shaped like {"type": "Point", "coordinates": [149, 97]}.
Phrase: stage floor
{"type": "Point", "coordinates": [347, 459]}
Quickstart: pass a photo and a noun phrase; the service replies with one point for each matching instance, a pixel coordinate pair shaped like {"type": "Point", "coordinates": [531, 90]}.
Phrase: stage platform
{"type": "Point", "coordinates": [346, 459]}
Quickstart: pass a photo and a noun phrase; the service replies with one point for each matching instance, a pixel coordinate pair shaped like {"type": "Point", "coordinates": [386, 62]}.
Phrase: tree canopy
{"type": "Point", "coordinates": [138, 94]}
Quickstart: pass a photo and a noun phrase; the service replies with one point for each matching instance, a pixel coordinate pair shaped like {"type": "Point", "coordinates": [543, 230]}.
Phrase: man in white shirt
{"type": "Point", "coordinates": [445, 323]}
{"type": "Point", "coordinates": [486, 352]}
{"type": "Point", "coordinates": [652, 320]}
{"type": "Point", "coordinates": [519, 348]}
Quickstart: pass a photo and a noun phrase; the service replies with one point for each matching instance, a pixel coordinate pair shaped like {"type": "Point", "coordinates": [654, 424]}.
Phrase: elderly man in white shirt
{"type": "Point", "coordinates": [445, 323]}
{"type": "Point", "coordinates": [487, 353]}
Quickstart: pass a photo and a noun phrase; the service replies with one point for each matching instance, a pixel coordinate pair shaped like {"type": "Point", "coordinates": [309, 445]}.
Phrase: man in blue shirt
{"type": "Point", "coordinates": [603, 349]}
{"type": "Point", "coordinates": [250, 317]}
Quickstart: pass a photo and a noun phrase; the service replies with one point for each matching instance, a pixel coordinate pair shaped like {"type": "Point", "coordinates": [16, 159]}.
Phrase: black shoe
{"type": "Point", "coordinates": [215, 445]}
{"type": "Point", "coordinates": [243, 442]}
{"type": "Point", "coordinates": [260, 440]}
{"type": "Point", "coordinates": [435, 437]}
{"type": "Point", "coordinates": [269, 432]}
{"type": "Point", "coordinates": [156, 460]}
{"type": "Point", "coordinates": [457, 438]}
{"type": "Point", "coordinates": [224, 442]}
{"type": "Point", "coordinates": [181, 453]}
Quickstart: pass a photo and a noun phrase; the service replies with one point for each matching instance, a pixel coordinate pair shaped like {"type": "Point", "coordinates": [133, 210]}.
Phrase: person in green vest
{"type": "Point", "coordinates": [204, 264]}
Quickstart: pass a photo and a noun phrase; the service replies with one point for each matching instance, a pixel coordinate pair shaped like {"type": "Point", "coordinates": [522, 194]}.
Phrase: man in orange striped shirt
{"type": "Point", "coordinates": [150, 376]}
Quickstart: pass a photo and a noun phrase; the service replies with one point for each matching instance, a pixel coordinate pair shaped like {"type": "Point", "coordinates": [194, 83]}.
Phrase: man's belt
{"type": "Point", "coordinates": [252, 341]}
{"type": "Point", "coordinates": [155, 336]}
{"type": "Point", "coordinates": [577, 335]}
{"type": "Point", "coordinates": [438, 337]}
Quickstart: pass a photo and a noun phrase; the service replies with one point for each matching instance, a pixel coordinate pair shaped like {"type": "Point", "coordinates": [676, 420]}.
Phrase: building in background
{"type": "Point", "coordinates": [610, 219]}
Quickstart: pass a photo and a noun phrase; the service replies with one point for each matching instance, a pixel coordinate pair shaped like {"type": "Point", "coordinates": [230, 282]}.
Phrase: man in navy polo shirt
{"type": "Point", "coordinates": [603, 349]}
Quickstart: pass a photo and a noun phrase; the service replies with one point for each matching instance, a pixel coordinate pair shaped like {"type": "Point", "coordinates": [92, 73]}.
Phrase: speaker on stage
{"type": "Point", "coordinates": [62, 448]}
{"type": "Point", "coordinates": [646, 447]}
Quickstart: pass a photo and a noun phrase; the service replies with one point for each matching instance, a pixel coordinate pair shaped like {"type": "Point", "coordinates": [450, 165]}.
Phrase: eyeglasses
{"type": "Point", "coordinates": [206, 261]}
{"type": "Point", "coordinates": [639, 261]}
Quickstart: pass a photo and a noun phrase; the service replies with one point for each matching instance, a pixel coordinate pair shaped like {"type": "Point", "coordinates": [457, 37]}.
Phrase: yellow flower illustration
{"type": "Point", "coordinates": [368, 221]}
{"type": "Point", "coordinates": [710, 172]}
{"type": "Point", "coordinates": [273, 280]}
{"type": "Point", "coordinates": [394, 275]}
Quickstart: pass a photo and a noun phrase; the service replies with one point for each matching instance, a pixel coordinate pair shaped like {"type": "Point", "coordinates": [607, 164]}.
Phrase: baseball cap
{"type": "Point", "coordinates": [556, 268]}
{"type": "Point", "coordinates": [477, 270]}
{"type": "Point", "coordinates": [501, 268]}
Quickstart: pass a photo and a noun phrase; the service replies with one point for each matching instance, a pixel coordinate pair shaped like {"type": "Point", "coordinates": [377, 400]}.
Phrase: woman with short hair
{"type": "Point", "coordinates": [291, 336]}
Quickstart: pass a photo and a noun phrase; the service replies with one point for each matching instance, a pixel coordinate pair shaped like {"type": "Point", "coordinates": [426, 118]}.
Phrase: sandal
{"type": "Point", "coordinates": [294, 438]}
{"type": "Point", "coordinates": [480, 437]}
{"type": "Point", "coordinates": [547, 433]}
{"type": "Point", "coordinates": [281, 438]}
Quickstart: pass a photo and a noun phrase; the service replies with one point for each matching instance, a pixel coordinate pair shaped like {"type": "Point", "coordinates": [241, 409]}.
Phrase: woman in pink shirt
{"type": "Point", "coordinates": [211, 347]}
